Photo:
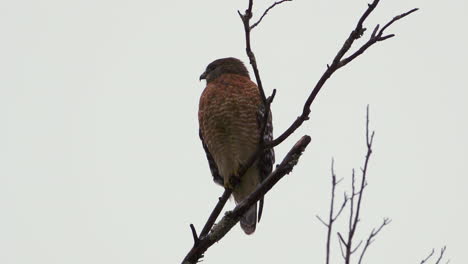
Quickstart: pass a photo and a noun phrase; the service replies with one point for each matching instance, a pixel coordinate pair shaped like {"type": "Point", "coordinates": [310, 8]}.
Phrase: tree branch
{"type": "Point", "coordinates": [369, 141]}
{"type": "Point", "coordinates": [376, 36]}
{"type": "Point", "coordinates": [428, 257]}
{"type": "Point", "coordinates": [248, 47]}
{"type": "Point", "coordinates": [331, 217]}
{"type": "Point", "coordinates": [216, 211]}
{"type": "Point", "coordinates": [231, 218]}
{"type": "Point", "coordinates": [441, 255]}
{"type": "Point", "coordinates": [338, 63]}
{"type": "Point", "coordinates": [355, 202]}
{"type": "Point", "coordinates": [371, 237]}
{"type": "Point", "coordinates": [266, 11]}
{"type": "Point", "coordinates": [439, 259]}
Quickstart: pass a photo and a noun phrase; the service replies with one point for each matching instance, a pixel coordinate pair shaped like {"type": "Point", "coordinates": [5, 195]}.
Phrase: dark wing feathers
{"type": "Point", "coordinates": [267, 159]}
{"type": "Point", "coordinates": [213, 168]}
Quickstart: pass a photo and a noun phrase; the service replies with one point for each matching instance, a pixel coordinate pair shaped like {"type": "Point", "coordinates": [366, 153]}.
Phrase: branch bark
{"type": "Point", "coordinates": [231, 218]}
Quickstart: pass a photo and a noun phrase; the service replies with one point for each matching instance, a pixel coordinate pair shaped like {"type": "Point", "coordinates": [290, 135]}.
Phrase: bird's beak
{"type": "Point", "coordinates": [203, 76]}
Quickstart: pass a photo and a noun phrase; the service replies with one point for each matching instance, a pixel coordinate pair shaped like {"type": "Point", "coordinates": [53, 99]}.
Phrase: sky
{"type": "Point", "coordinates": [100, 160]}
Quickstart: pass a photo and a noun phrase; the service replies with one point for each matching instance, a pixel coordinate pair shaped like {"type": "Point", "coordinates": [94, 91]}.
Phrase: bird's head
{"type": "Point", "coordinates": [222, 66]}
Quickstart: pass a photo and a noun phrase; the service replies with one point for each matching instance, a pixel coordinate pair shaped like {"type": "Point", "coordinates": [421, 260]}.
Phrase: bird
{"type": "Point", "coordinates": [231, 116]}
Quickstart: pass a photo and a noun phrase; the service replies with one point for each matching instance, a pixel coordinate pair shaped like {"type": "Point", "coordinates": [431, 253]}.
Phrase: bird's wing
{"type": "Point", "coordinates": [267, 159]}
{"type": "Point", "coordinates": [213, 168]}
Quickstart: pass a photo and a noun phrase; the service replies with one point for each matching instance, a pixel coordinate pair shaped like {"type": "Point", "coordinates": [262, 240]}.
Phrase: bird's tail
{"type": "Point", "coordinates": [246, 186]}
{"type": "Point", "coordinates": [248, 221]}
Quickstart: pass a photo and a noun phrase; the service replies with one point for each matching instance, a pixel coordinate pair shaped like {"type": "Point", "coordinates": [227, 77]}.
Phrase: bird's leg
{"type": "Point", "coordinates": [234, 180]}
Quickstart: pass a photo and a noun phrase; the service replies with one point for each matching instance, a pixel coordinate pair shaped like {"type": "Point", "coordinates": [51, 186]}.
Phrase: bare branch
{"type": "Point", "coordinates": [231, 218]}
{"type": "Point", "coordinates": [194, 234]}
{"type": "Point", "coordinates": [376, 36]}
{"type": "Point", "coordinates": [356, 248]}
{"type": "Point", "coordinates": [439, 259]}
{"type": "Point", "coordinates": [216, 211]}
{"type": "Point", "coordinates": [337, 63]}
{"type": "Point", "coordinates": [371, 237]}
{"type": "Point", "coordinates": [331, 218]}
{"type": "Point", "coordinates": [321, 220]}
{"type": "Point", "coordinates": [355, 201]}
{"type": "Point", "coordinates": [343, 205]}
{"type": "Point", "coordinates": [428, 257]}
{"type": "Point", "coordinates": [248, 48]}
{"type": "Point", "coordinates": [353, 194]}
{"type": "Point", "coordinates": [396, 19]}
{"type": "Point", "coordinates": [442, 251]}
{"type": "Point", "coordinates": [342, 239]}
{"type": "Point", "coordinates": [342, 243]}
{"type": "Point", "coordinates": [266, 11]}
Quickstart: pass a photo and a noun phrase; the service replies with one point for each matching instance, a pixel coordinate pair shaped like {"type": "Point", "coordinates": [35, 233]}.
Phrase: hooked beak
{"type": "Point", "coordinates": [203, 76]}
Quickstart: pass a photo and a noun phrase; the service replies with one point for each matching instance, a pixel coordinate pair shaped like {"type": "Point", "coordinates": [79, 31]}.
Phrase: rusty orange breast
{"type": "Point", "coordinates": [228, 121]}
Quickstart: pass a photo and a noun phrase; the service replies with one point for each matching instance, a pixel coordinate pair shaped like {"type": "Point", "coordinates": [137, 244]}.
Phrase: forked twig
{"type": "Point", "coordinates": [371, 237]}
{"type": "Point", "coordinates": [266, 12]}
{"type": "Point", "coordinates": [337, 63]}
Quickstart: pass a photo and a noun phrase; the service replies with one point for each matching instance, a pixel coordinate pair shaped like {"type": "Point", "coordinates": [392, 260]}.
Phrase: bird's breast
{"type": "Point", "coordinates": [228, 119]}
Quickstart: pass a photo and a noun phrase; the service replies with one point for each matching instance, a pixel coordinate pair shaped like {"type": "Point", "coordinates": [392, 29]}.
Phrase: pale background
{"type": "Point", "coordinates": [100, 160]}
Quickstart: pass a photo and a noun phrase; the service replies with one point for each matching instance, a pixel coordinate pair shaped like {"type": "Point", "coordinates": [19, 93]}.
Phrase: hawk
{"type": "Point", "coordinates": [231, 115]}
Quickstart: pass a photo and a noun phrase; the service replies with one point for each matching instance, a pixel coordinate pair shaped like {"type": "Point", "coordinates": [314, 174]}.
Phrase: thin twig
{"type": "Point", "coordinates": [331, 217]}
{"type": "Point", "coordinates": [371, 237]}
{"type": "Point", "coordinates": [248, 48]}
{"type": "Point", "coordinates": [439, 259]}
{"type": "Point", "coordinates": [332, 207]}
{"type": "Point", "coordinates": [194, 234]}
{"type": "Point", "coordinates": [216, 211]}
{"type": "Point", "coordinates": [356, 200]}
{"type": "Point", "coordinates": [428, 257]}
{"type": "Point", "coordinates": [441, 255]}
{"type": "Point", "coordinates": [356, 248]}
{"type": "Point", "coordinates": [342, 244]}
{"type": "Point", "coordinates": [376, 36]}
{"type": "Point", "coordinates": [352, 202]}
{"type": "Point", "coordinates": [343, 205]}
{"type": "Point", "coordinates": [266, 11]}
{"type": "Point", "coordinates": [321, 220]}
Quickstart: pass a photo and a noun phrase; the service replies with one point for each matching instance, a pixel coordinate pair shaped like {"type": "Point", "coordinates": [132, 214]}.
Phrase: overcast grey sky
{"type": "Point", "coordinates": [100, 160]}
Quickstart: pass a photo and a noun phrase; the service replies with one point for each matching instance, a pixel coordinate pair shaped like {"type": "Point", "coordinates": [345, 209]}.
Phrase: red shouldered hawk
{"type": "Point", "coordinates": [231, 113]}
